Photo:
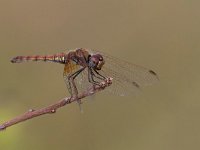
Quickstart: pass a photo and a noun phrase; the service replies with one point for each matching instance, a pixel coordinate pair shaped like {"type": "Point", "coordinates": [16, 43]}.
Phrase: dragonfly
{"type": "Point", "coordinates": [83, 67]}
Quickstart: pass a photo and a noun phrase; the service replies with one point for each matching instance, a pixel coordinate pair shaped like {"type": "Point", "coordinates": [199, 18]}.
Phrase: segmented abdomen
{"type": "Point", "coordinates": [59, 58]}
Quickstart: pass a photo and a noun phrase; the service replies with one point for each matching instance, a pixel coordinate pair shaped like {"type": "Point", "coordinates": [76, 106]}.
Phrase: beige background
{"type": "Point", "coordinates": [163, 35]}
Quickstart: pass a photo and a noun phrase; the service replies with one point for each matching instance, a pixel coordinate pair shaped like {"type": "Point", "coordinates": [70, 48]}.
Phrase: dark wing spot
{"type": "Point", "coordinates": [152, 72]}
{"type": "Point", "coordinates": [135, 84]}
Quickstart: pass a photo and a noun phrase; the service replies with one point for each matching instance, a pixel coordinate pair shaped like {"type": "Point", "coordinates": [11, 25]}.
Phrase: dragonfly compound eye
{"type": "Point", "coordinates": [100, 64]}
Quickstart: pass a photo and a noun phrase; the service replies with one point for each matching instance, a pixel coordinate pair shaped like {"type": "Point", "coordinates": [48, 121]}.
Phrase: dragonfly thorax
{"type": "Point", "coordinates": [96, 61]}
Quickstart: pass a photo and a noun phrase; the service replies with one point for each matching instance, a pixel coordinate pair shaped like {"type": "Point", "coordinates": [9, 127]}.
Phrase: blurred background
{"type": "Point", "coordinates": [162, 35]}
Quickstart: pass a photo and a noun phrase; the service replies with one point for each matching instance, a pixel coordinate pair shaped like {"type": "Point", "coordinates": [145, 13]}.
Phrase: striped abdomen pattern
{"type": "Point", "coordinates": [59, 58]}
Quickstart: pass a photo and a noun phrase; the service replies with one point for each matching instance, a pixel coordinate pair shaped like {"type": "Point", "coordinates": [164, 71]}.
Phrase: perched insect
{"type": "Point", "coordinates": [83, 67]}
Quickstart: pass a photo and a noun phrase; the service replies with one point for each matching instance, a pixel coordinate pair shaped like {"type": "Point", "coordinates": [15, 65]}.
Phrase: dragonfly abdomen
{"type": "Point", "coordinates": [58, 58]}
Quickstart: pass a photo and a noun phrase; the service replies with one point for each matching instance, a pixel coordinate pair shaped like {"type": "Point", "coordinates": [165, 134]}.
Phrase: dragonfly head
{"type": "Point", "coordinates": [96, 61]}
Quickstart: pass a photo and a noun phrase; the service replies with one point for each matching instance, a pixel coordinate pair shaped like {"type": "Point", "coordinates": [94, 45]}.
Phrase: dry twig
{"type": "Point", "coordinates": [52, 108]}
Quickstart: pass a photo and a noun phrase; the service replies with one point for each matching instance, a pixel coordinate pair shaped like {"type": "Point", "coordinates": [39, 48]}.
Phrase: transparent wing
{"type": "Point", "coordinates": [128, 78]}
{"type": "Point", "coordinates": [69, 69]}
{"type": "Point", "coordinates": [81, 81]}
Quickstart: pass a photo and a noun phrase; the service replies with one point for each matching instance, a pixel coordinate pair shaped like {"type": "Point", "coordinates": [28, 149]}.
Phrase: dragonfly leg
{"type": "Point", "coordinates": [68, 83]}
{"type": "Point", "coordinates": [99, 75]}
{"type": "Point", "coordinates": [91, 77]}
{"type": "Point", "coordinates": [71, 79]}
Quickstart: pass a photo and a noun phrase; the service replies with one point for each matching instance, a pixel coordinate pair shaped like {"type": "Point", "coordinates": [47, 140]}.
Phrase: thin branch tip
{"type": "Point", "coordinates": [2, 127]}
{"type": "Point", "coordinates": [32, 113]}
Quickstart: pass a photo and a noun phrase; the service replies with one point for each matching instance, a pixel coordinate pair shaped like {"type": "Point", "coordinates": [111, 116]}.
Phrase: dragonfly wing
{"type": "Point", "coordinates": [81, 81]}
{"type": "Point", "coordinates": [69, 69]}
{"type": "Point", "coordinates": [128, 78]}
